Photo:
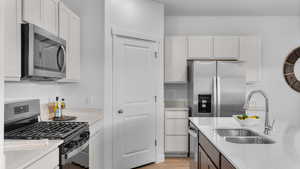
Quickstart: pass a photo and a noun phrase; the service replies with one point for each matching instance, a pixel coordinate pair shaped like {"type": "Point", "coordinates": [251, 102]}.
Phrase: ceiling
{"type": "Point", "coordinates": [231, 7]}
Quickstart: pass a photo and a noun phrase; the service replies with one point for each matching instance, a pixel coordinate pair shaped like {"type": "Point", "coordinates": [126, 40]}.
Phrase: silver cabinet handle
{"type": "Point", "coordinates": [120, 111]}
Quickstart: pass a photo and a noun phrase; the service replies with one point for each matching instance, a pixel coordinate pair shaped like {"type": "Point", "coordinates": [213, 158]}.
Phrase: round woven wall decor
{"type": "Point", "coordinates": [289, 69]}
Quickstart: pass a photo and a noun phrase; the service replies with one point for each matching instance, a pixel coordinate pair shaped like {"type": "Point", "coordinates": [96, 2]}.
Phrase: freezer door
{"type": "Point", "coordinates": [231, 87]}
{"type": "Point", "coordinates": [202, 88]}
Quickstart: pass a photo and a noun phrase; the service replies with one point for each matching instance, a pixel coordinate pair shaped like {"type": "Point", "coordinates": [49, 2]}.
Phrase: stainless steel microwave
{"type": "Point", "coordinates": [43, 54]}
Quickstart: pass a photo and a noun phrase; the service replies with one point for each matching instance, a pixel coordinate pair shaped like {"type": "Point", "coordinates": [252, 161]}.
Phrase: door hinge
{"type": "Point", "coordinates": [156, 54]}
{"type": "Point", "coordinates": [155, 99]}
{"type": "Point", "coordinates": [155, 142]}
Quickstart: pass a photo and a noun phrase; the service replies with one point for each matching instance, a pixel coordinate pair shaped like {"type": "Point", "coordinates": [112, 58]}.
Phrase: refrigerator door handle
{"type": "Point", "coordinates": [219, 96]}
{"type": "Point", "coordinates": [214, 81]}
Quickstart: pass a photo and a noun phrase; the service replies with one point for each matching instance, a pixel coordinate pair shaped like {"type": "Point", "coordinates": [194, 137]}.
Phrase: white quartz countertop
{"type": "Point", "coordinates": [20, 158]}
{"type": "Point", "coordinates": [284, 154]}
{"type": "Point", "coordinates": [85, 115]}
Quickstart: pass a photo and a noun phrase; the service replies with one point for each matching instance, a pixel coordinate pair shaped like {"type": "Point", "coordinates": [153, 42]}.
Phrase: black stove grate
{"type": "Point", "coordinates": [45, 130]}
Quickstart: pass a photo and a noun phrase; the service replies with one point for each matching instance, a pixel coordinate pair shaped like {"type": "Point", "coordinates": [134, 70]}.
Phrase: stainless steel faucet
{"type": "Point", "coordinates": [268, 127]}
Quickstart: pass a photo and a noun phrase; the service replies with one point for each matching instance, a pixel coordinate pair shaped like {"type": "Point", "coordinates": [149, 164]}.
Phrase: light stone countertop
{"type": "Point", "coordinates": [284, 154]}
{"type": "Point", "coordinates": [19, 159]}
{"type": "Point", "coordinates": [85, 115]}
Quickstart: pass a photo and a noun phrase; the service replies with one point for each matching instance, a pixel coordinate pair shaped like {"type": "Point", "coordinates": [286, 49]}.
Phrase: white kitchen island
{"type": "Point", "coordinates": [284, 154]}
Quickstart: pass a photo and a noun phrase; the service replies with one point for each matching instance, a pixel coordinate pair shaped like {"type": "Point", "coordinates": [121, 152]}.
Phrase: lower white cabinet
{"type": "Point", "coordinates": [176, 132]}
{"type": "Point", "coordinates": [96, 156]}
{"type": "Point", "coordinates": [50, 161]}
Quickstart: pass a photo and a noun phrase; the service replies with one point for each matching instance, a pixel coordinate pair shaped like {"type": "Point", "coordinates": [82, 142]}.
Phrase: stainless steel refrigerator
{"type": "Point", "coordinates": [216, 88]}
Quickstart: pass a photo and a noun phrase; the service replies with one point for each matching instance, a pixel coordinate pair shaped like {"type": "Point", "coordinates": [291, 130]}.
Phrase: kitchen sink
{"type": "Point", "coordinates": [243, 136]}
{"type": "Point", "coordinates": [236, 132]}
{"type": "Point", "coordinates": [250, 140]}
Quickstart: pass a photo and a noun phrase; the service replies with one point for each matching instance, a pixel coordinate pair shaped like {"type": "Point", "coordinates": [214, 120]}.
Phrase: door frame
{"type": "Point", "coordinates": [110, 33]}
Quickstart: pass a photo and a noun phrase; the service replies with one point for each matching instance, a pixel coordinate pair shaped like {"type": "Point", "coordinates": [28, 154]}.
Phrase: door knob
{"type": "Point", "coordinates": [120, 111]}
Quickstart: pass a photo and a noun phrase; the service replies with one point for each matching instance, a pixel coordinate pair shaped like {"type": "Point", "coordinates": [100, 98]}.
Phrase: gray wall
{"type": "Point", "coordinates": [89, 92]}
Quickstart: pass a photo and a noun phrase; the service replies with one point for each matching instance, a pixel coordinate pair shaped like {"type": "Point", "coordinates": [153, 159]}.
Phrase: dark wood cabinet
{"type": "Point", "coordinates": [210, 157]}
{"type": "Point", "coordinates": [205, 162]}
{"type": "Point", "coordinates": [225, 164]}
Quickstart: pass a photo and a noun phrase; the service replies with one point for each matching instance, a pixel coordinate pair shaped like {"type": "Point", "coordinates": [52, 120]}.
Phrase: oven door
{"type": "Point", "coordinates": [43, 54]}
{"type": "Point", "coordinates": [193, 146]}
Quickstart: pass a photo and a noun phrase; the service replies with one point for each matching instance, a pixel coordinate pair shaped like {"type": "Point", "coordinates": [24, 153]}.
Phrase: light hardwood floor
{"type": "Point", "coordinates": [170, 163]}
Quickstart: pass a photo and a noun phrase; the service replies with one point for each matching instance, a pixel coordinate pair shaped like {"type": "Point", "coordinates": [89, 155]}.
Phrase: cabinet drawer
{"type": "Point", "coordinates": [211, 151]}
{"type": "Point", "coordinates": [50, 161]}
{"type": "Point", "coordinates": [176, 127]}
{"type": "Point", "coordinates": [225, 164]}
{"type": "Point", "coordinates": [177, 114]}
{"type": "Point", "coordinates": [176, 144]}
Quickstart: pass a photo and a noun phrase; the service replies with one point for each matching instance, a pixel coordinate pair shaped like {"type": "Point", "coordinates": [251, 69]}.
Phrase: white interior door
{"type": "Point", "coordinates": [134, 90]}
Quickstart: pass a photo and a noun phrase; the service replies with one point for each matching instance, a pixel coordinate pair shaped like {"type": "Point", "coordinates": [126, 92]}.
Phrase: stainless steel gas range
{"type": "Point", "coordinates": [21, 122]}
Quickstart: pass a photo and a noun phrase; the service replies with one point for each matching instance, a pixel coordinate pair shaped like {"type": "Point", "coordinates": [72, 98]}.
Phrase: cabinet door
{"type": "Point", "coordinates": [226, 47]}
{"type": "Point", "coordinates": [250, 52]}
{"type": "Point", "coordinates": [50, 15]}
{"type": "Point", "coordinates": [64, 22]}
{"type": "Point", "coordinates": [69, 30]}
{"type": "Point", "coordinates": [205, 162]}
{"type": "Point", "coordinates": [12, 39]}
{"type": "Point", "coordinates": [225, 164]}
{"type": "Point", "coordinates": [176, 144]}
{"type": "Point", "coordinates": [175, 59]}
{"type": "Point", "coordinates": [32, 12]}
{"type": "Point", "coordinates": [96, 149]}
{"type": "Point", "coordinates": [200, 47]}
{"type": "Point", "coordinates": [73, 63]}
{"type": "Point", "coordinates": [177, 127]}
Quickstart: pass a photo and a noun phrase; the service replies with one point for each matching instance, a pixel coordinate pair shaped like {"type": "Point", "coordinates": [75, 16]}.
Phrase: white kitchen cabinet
{"type": "Point", "coordinates": [200, 47]}
{"type": "Point", "coordinates": [176, 145]}
{"type": "Point", "coordinates": [250, 53]}
{"type": "Point", "coordinates": [32, 11]}
{"type": "Point", "coordinates": [226, 47]}
{"type": "Point", "coordinates": [175, 59]}
{"type": "Point", "coordinates": [96, 151]}
{"type": "Point", "coordinates": [50, 15]}
{"type": "Point", "coordinates": [176, 132]}
{"type": "Point", "coordinates": [49, 161]}
{"type": "Point", "coordinates": [43, 13]}
{"type": "Point", "coordinates": [69, 30]}
{"type": "Point", "coordinates": [12, 40]}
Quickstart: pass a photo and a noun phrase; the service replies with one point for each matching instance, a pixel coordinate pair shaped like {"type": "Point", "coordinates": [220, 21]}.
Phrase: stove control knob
{"type": "Point", "coordinates": [85, 135]}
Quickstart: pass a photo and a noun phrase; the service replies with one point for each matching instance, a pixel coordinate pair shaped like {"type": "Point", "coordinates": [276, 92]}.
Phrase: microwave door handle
{"type": "Point", "coordinates": [61, 67]}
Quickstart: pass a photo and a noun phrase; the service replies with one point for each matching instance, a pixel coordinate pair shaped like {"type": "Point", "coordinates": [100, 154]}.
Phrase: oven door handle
{"type": "Point", "coordinates": [76, 151]}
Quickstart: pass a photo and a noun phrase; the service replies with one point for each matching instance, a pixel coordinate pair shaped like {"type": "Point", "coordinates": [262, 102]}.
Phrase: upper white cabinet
{"type": "Point", "coordinates": [250, 52]}
{"type": "Point", "coordinates": [50, 15]}
{"type": "Point", "coordinates": [226, 47]}
{"type": "Point", "coordinates": [200, 47]}
{"type": "Point", "coordinates": [32, 11]}
{"type": "Point", "coordinates": [69, 30]}
{"type": "Point", "coordinates": [43, 13]}
{"type": "Point", "coordinates": [175, 59]}
{"type": "Point", "coordinates": [180, 48]}
{"type": "Point", "coordinates": [12, 40]}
